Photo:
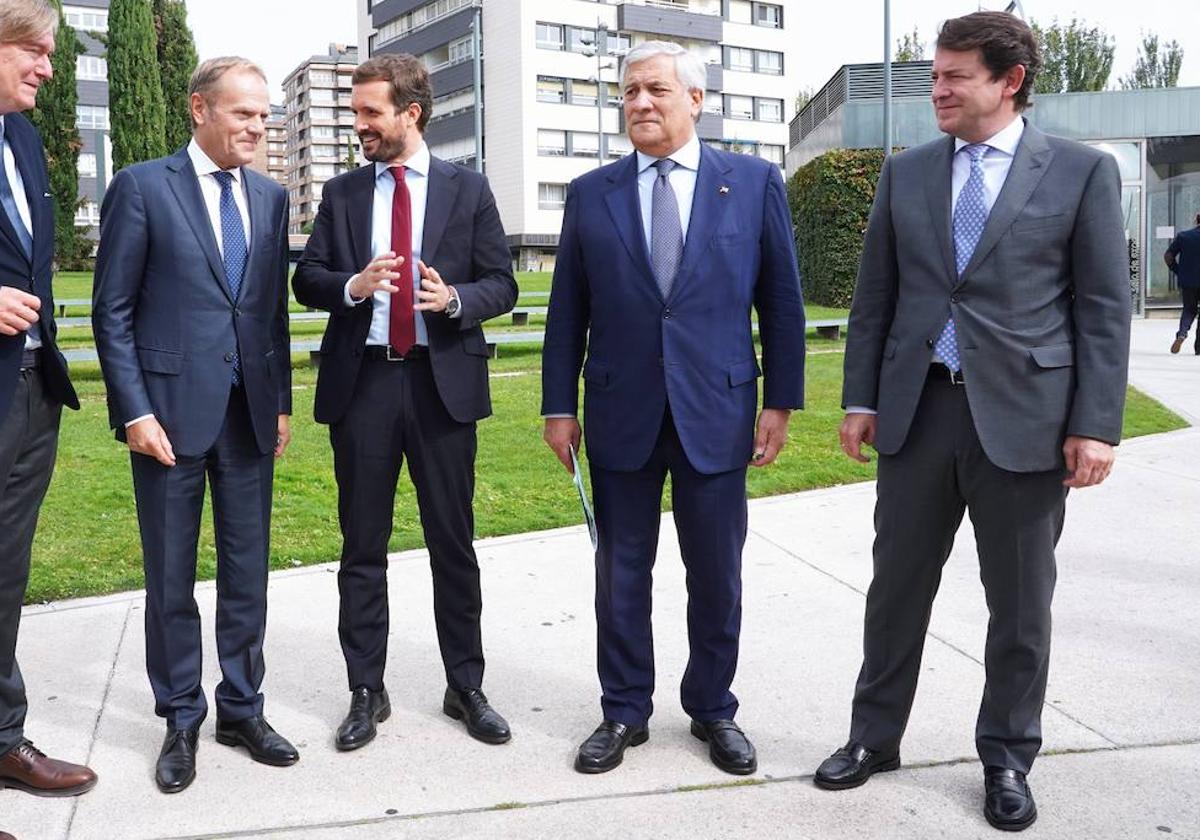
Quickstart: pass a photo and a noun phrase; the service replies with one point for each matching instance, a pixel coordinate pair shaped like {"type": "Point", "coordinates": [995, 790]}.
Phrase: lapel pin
{"type": "Point", "coordinates": [723, 190]}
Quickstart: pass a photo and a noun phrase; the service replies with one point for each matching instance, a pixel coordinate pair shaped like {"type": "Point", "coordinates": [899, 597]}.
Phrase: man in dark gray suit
{"type": "Point", "coordinates": [986, 363]}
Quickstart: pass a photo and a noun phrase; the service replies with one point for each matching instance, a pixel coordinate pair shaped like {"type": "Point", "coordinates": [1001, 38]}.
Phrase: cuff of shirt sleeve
{"type": "Point", "coordinates": [860, 409]}
{"type": "Point", "coordinates": [558, 416]}
{"type": "Point", "coordinates": [347, 298]}
{"type": "Point", "coordinates": [138, 420]}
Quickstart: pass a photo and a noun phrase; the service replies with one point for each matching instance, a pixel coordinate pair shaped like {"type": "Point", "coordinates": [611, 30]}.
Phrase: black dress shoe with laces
{"type": "Point", "coordinates": [728, 746]}
{"type": "Point", "coordinates": [1008, 802]}
{"type": "Point", "coordinates": [265, 745]}
{"type": "Point", "coordinates": [852, 765]}
{"type": "Point", "coordinates": [605, 748]}
{"type": "Point", "coordinates": [367, 708]}
{"type": "Point", "coordinates": [176, 767]}
{"type": "Point", "coordinates": [483, 722]}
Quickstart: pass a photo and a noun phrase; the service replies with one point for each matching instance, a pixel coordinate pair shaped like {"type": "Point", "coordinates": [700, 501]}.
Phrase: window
{"type": "Point", "coordinates": [584, 144]}
{"type": "Point", "coordinates": [741, 11]}
{"type": "Point", "coordinates": [549, 36]}
{"type": "Point", "coordinates": [552, 143]}
{"type": "Point", "coordinates": [713, 103]}
{"type": "Point", "coordinates": [619, 43]}
{"type": "Point", "coordinates": [550, 89]}
{"type": "Point", "coordinates": [89, 20]}
{"type": "Point", "coordinates": [773, 153]}
{"type": "Point", "coordinates": [618, 145]}
{"type": "Point", "coordinates": [91, 68]}
{"type": "Point", "coordinates": [323, 170]}
{"type": "Point", "coordinates": [320, 78]}
{"type": "Point", "coordinates": [612, 92]}
{"type": "Point", "coordinates": [770, 110]}
{"type": "Point", "coordinates": [87, 214]}
{"type": "Point", "coordinates": [454, 103]}
{"type": "Point", "coordinates": [87, 165]}
{"type": "Point", "coordinates": [552, 196]}
{"type": "Point", "coordinates": [91, 116]}
{"type": "Point", "coordinates": [740, 59]}
{"type": "Point", "coordinates": [579, 40]}
{"type": "Point", "coordinates": [320, 151]}
{"type": "Point", "coordinates": [462, 49]}
{"type": "Point", "coordinates": [322, 113]}
{"type": "Point", "coordinates": [740, 107]}
{"type": "Point", "coordinates": [583, 93]}
{"type": "Point", "coordinates": [323, 95]}
{"type": "Point", "coordinates": [770, 62]}
{"type": "Point", "coordinates": [323, 131]}
{"type": "Point", "coordinates": [768, 14]}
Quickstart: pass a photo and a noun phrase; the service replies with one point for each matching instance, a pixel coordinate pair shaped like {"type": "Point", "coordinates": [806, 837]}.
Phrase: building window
{"type": "Point", "coordinates": [550, 89]}
{"type": "Point", "coordinates": [739, 107]}
{"type": "Point", "coordinates": [770, 110]}
{"type": "Point", "coordinates": [618, 145]}
{"type": "Point", "coordinates": [324, 131]}
{"type": "Point", "coordinates": [740, 11]}
{"type": "Point", "coordinates": [323, 170]}
{"type": "Point", "coordinates": [91, 68]}
{"type": "Point", "coordinates": [713, 103]}
{"type": "Point", "coordinates": [91, 116]}
{"type": "Point", "coordinates": [740, 59]}
{"type": "Point", "coordinates": [619, 43]}
{"type": "Point", "coordinates": [552, 196]}
{"type": "Point", "coordinates": [87, 165]}
{"type": "Point", "coordinates": [549, 36]}
{"type": "Point", "coordinates": [551, 143]}
{"type": "Point", "coordinates": [322, 114]}
{"type": "Point", "coordinates": [89, 20]}
{"type": "Point", "coordinates": [88, 214]}
{"type": "Point", "coordinates": [462, 49]}
{"type": "Point", "coordinates": [771, 152]}
{"type": "Point", "coordinates": [323, 95]}
{"type": "Point", "coordinates": [583, 93]}
{"type": "Point", "coordinates": [323, 78]}
{"type": "Point", "coordinates": [768, 14]}
{"type": "Point", "coordinates": [579, 40]}
{"type": "Point", "coordinates": [584, 144]}
{"type": "Point", "coordinates": [770, 62]}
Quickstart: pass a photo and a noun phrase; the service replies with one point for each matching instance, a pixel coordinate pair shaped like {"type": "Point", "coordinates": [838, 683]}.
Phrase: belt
{"type": "Point", "coordinates": [31, 359]}
{"type": "Point", "coordinates": [940, 372]}
{"type": "Point", "coordinates": [385, 353]}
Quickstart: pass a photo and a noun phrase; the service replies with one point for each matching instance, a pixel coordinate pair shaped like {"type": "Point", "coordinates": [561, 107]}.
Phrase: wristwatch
{"type": "Point", "coordinates": [454, 304]}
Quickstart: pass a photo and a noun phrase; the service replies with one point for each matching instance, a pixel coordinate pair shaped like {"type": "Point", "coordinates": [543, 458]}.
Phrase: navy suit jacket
{"type": "Point", "coordinates": [693, 351]}
{"type": "Point", "coordinates": [464, 240]}
{"type": "Point", "coordinates": [1186, 248]}
{"type": "Point", "coordinates": [166, 324]}
{"type": "Point", "coordinates": [18, 271]}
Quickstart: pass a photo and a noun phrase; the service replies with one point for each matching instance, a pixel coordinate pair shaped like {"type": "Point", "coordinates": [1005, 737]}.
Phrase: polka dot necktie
{"type": "Point", "coordinates": [970, 217]}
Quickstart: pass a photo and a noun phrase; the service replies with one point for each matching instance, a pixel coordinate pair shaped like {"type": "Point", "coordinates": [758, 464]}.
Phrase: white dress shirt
{"type": "Point", "coordinates": [33, 336]}
{"type": "Point", "coordinates": [682, 180]}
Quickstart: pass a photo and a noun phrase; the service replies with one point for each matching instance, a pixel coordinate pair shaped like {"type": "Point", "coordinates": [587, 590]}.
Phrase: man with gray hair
{"type": "Point", "coordinates": [191, 324]}
{"type": "Point", "coordinates": [33, 375]}
{"type": "Point", "coordinates": [680, 243]}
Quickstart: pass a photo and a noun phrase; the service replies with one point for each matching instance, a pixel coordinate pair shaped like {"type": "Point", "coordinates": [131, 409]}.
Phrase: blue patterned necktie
{"type": "Point", "coordinates": [10, 204]}
{"type": "Point", "coordinates": [970, 217]}
{"type": "Point", "coordinates": [234, 251]}
{"type": "Point", "coordinates": [666, 231]}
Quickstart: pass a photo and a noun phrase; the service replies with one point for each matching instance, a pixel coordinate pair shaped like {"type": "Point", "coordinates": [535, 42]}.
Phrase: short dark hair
{"type": "Point", "coordinates": [1003, 39]}
{"type": "Point", "coordinates": [408, 77]}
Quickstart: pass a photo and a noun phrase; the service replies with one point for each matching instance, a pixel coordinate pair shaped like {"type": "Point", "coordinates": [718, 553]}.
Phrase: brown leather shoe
{"type": "Point", "coordinates": [27, 768]}
{"type": "Point", "coordinates": [1176, 344]}
{"type": "Point", "coordinates": [4, 835]}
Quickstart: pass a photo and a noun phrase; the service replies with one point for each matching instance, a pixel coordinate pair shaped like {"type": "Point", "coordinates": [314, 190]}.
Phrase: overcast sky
{"type": "Point", "coordinates": [279, 36]}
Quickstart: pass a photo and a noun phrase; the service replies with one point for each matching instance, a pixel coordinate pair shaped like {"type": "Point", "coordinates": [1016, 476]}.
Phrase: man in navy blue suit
{"type": "Point", "coordinates": [33, 375]}
{"type": "Point", "coordinates": [1183, 259]}
{"type": "Point", "coordinates": [662, 256]}
{"type": "Point", "coordinates": [191, 323]}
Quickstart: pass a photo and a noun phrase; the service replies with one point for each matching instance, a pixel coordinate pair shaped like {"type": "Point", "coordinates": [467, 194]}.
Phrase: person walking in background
{"type": "Point", "coordinates": [1183, 260]}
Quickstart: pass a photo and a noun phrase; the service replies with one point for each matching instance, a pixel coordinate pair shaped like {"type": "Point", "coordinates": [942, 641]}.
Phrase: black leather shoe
{"type": "Point", "coordinates": [1008, 802]}
{"type": "Point", "coordinates": [367, 708]}
{"type": "Point", "coordinates": [483, 722]}
{"type": "Point", "coordinates": [266, 746]}
{"type": "Point", "coordinates": [852, 765]}
{"type": "Point", "coordinates": [605, 748]}
{"type": "Point", "coordinates": [728, 746]}
{"type": "Point", "coordinates": [176, 767]}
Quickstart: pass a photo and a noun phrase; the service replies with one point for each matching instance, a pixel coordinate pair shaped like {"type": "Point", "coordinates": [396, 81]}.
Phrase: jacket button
{"type": "Point", "coordinates": [237, 313]}
{"type": "Point", "coordinates": [954, 298]}
{"type": "Point", "coordinates": [667, 314]}
{"type": "Point", "coordinates": [229, 357]}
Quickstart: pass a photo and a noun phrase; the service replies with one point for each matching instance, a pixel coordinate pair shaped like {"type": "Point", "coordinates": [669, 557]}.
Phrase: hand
{"type": "Point", "coordinates": [771, 435]}
{"type": "Point", "coordinates": [377, 276]}
{"type": "Point", "coordinates": [284, 435]}
{"type": "Point", "coordinates": [148, 438]}
{"type": "Point", "coordinates": [1089, 461]}
{"type": "Point", "coordinates": [560, 434]}
{"type": "Point", "coordinates": [18, 310]}
{"type": "Point", "coordinates": [434, 294]}
{"type": "Point", "coordinates": [857, 429]}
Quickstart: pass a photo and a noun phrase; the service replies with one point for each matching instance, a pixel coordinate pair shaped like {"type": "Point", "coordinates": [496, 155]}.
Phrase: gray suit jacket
{"type": "Point", "coordinates": [1042, 310]}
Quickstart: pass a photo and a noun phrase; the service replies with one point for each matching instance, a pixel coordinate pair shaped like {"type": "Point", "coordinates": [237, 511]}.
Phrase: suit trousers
{"type": "Point", "coordinates": [1191, 300]}
{"type": "Point", "coordinates": [28, 443]}
{"type": "Point", "coordinates": [711, 519]}
{"type": "Point", "coordinates": [170, 501]}
{"type": "Point", "coordinates": [396, 413]}
{"type": "Point", "coordinates": [923, 491]}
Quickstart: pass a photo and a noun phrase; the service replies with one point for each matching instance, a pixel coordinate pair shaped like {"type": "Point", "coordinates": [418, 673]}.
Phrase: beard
{"type": "Point", "coordinates": [389, 148]}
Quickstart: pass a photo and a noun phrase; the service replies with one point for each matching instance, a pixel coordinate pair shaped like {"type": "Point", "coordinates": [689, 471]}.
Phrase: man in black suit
{"type": "Point", "coordinates": [190, 316]}
{"type": "Point", "coordinates": [33, 374]}
{"type": "Point", "coordinates": [404, 374]}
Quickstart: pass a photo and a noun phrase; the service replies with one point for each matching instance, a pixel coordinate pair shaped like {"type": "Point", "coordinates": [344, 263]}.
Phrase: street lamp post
{"type": "Point", "coordinates": [887, 77]}
{"type": "Point", "coordinates": [476, 48]}
{"type": "Point", "coordinates": [599, 48]}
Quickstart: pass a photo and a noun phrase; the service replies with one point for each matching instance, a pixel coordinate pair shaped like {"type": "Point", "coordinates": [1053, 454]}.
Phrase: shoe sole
{"type": "Point", "coordinates": [736, 769]}
{"type": "Point", "coordinates": [47, 794]}
{"type": "Point", "coordinates": [592, 770]}
{"type": "Point", "coordinates": [886, 767]}
{"type": "Point", "coordinates": [456, 713]}
{"type": "Point", "coordinates": [1010, 826]}
{"type": "Point", "coordinates": [180, 788]}
{"type": "Point", "coordinates": [380, 716]}
{"type": "Point", "coordinates": [239, 741]}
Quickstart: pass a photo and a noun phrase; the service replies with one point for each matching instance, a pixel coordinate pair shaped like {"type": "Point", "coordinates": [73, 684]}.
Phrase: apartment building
{"type": "Point", "coordinates": [550, 87]}
{"type": "Point", "coordinates": [271, 156]}
{"type": "Point", "coordinates": [89, 19]}
{"type": "Point", "coordinates": [319, 130]}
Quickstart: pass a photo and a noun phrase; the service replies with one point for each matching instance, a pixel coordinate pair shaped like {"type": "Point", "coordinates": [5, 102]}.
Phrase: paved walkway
{"type": "Point", "coordinates": [1122, 723]}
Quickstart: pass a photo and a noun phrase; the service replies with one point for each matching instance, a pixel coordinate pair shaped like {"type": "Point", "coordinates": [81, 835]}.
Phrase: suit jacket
{"type": "Point", "coordinates": [1042, 310]}
{"type": "Point", "coordinates": [1186, 248]}
{"type": "Point", "coordinates": [693, 351]}
{"type": "Point", "coordinates": [463, 239]}
{"type": "Point", "coordinates": [165, 322]}
{"type": "Point", "coordinates": [18, 271]}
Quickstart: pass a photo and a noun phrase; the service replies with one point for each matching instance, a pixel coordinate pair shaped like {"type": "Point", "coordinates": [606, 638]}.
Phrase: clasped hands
{"type": "Point", "coordinates": [379, 274]}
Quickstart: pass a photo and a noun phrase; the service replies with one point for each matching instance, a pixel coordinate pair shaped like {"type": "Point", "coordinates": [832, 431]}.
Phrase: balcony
{"type": "Point", "coordinates": [670, 19]}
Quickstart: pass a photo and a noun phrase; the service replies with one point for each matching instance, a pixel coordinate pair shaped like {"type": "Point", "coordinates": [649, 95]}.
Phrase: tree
{"type": "Point", "coordinates": [176, 61]}
{"type": "Point", "coordinates": [1157, 65]}
{"type": "Point", "coordinates": [135, 97]}
{"type": "Point", "coordinates": [351, 160]}
{"type": "Point", "coordinates": [803, 98]}
{"type": "Point", "coordinates": [1075, 57]}
{"type": "Point", "coordinates": [910, 47]}
{"type": "Point", "coordinates": [54, 117]}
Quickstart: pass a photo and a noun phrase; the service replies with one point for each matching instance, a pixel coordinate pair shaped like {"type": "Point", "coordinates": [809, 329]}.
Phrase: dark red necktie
{"type": "Point", "coordinates": [402, 330]}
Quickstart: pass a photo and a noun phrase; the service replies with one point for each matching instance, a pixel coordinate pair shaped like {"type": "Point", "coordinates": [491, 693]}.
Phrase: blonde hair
{"type": "Point", "coordinates": [209, 72]}
{"type": "Point", "coordinates": [25, 20]}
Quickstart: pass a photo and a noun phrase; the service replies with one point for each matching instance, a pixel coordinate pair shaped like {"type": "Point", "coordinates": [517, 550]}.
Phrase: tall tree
{"type": "Point", "coordinates": [135, 97]}
{"type": "Point", "coordinates": [177, 60]}
{"type": "Point", "coordinates": [54, 117]}
{"type": "Point", "coordinates": [1075, 57]}
{"type": "Point", "coordinates": [803, 97]}
{"type": "Point", "coordinates": [910, 47]}
{"type": "Point", "coordinates": [1157, 65]}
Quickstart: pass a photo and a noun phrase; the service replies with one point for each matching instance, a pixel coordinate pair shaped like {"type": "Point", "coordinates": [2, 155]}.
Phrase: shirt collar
{"type": "Point", "coordinates": [1006, 140]}
{"type": "Point", "coordinates": [687, 156]}
{"type": "Point", "coordinates": [204, 165]}
{"type": "Point", "coordinates": [419, 162]}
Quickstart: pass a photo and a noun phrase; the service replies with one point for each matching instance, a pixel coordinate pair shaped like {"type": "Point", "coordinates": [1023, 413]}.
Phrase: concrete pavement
{"type": "Point", "coordinates": [1122, 723]}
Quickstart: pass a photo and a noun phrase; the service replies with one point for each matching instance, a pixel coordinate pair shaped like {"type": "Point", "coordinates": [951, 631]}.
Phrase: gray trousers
{"type": "Point", "coordinates": [28, 442]}
{"type": "Point", "coordinates": [923, 491]}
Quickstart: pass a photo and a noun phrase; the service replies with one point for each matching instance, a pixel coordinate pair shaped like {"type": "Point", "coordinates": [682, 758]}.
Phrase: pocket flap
{"type": "Point", "coordinates": [160, 361]}
{"type": "Point", "coordinates": [475, 344]}
{"type": "Point", "coordinates": [743, 372]}
{"type": "Point", "coordinates": [1053, 355]}
{"type": "Point", "coordinates": [595, 372]}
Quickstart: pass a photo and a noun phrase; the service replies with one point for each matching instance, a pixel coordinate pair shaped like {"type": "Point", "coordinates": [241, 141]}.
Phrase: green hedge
{"type": "Point", "coordinates": [831, 200]}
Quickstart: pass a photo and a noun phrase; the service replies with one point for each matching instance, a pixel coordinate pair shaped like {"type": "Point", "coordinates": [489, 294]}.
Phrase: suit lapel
{"type": "Point", "coordinates": [358, 214]}
{"type": "Point", "coordinates": [39, 209]}
{"type": "Point", "coordinates": [440, 195]}
{"type": "Point", "coordinates": [16, 142]}
{"type": "Point", "coordinates": [626, 213]}
{"type": "Point", "coordinates": [186, 189]}
{"type": "Point", "coordinates": [709, 205]}
{"type": "Point", "coordinates": [260, 224]}
{"type": "Point", "coordinates": [937, 193]}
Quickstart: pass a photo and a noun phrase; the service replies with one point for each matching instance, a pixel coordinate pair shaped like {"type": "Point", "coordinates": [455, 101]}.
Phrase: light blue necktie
{"type": "Point", "coordinates": [666, 231]}
{"type": "Point", "coordinates": [10, 204]}
{"type": "Point", "coordinates": [233, 242]}
{"type": "Point", "coordinates": [970, 217]}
